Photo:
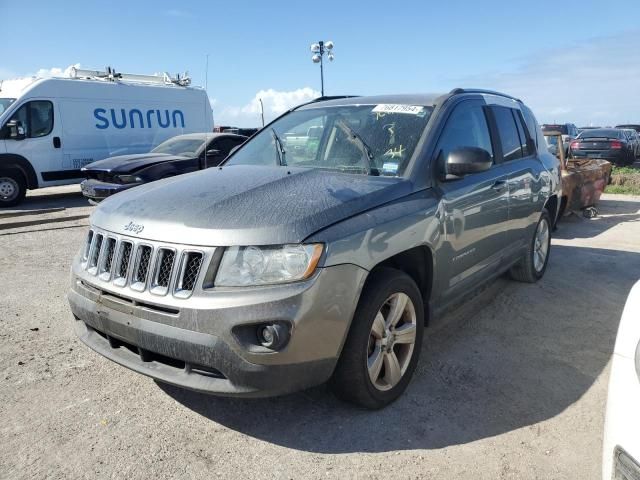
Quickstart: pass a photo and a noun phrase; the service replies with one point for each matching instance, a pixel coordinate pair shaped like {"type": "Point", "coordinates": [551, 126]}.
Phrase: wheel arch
{"type": "Point", "coordinates": [417, 262]}
{"type": "Point", "coordinates": [552, 206]}
{"type": "Point", "coordinates": [11, 160]}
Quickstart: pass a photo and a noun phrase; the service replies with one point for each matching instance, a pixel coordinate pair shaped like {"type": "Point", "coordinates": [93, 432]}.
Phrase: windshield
{"type": "Point", "coordinates": [602, 133]}
{"type": "Point", "coordinates": [360, 139]}
{"type": "Point", "coordinates": [555, 128]}
{"type": "Point", "coordinates": [551, 140]}
{"type": "Point", "coordinates": [4, 104]}
{"type": "Point", "coordinates": [186, 147]}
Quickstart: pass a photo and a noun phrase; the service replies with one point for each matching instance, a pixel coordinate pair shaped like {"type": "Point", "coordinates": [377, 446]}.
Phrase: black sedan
{"type": "Point", "coordinates": [178, 155]}
{"type": "Point", "coordinates": [607, 143]}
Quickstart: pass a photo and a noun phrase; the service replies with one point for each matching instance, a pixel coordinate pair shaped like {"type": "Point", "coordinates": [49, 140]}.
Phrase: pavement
{"type": "Point", "coordinates": [510, 385]}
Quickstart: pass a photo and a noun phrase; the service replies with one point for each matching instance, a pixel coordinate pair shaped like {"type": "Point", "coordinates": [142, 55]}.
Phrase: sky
{"type": "Point", "coordinates": [570, 61]}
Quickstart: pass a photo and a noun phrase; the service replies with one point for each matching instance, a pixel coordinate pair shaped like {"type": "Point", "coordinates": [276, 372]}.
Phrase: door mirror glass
{"type": "Point", "coordinates": [16, 130]}
{"type": "Point", "coordinates": [466, 160]}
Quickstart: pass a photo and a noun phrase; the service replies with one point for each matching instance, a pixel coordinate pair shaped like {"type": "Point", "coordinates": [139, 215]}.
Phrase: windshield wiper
{"type": "Point", "coordinates": [279, 148]}
{"type": "Point", "coordinates": [366, 151]}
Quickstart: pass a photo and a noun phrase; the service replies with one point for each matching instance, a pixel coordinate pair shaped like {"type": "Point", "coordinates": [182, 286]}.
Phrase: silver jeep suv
{"type": "Point", "coordinates": [321, 248]}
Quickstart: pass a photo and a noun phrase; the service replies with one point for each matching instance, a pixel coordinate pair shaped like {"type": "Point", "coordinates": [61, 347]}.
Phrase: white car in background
{"type": "Point", "coordinates": [621, 448]}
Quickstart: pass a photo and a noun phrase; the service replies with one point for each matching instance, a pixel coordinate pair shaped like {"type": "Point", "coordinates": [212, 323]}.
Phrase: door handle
{"type": "Point", "coordinates": [56, 142]}
{"type": "Point", "coordinates": [499, 185]}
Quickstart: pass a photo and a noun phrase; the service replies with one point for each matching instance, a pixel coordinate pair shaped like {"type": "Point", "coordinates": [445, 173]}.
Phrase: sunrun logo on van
{"type": "Point", "coordinates": [135, 118]}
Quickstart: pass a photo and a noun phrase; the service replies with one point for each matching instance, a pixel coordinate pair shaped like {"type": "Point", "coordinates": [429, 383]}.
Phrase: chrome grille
{"type": "Point", "coordinates": [143, 265]}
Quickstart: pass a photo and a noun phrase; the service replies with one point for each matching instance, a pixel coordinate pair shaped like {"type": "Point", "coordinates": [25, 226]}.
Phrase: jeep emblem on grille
{"type": "Point", "coordinates": [134, 227]}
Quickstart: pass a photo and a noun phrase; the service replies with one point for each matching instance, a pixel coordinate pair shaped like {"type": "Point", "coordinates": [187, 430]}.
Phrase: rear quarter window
{"type": "Point", "coordinates": [508, 132]}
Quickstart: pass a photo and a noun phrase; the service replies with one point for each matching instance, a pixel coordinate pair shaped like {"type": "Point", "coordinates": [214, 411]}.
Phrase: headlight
{"type": "Point", "coordinates": [128, 178]}
{"type": "Point", "coordinates": [241, 266]}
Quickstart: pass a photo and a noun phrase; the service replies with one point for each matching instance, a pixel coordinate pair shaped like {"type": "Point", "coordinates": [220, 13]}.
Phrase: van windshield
{"type": "Point", "coordinates": [186, 147]}
{"type": "Point", "coordinates": [4, 104]}
{"type": "Point", "coordinates": [358, 139]}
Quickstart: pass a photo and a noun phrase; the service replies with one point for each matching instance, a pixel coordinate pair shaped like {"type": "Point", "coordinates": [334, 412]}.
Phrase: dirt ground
{"type": "Point", "coordinates": [511, 385]}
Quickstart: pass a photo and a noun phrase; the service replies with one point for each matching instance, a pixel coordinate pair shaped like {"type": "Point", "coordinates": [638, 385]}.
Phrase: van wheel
{"type": "Point", "coordinates": [383, 344]}
{"type": "Point", "coordinates": [533, 263]}
{"type": "Point", "coordinates": [13, 187]}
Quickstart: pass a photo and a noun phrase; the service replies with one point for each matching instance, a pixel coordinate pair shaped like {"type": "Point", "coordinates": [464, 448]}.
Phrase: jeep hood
{"type": "Point", "coordinates": [245, 205]}
{"type": "Point", "coordinates": [130, 163]}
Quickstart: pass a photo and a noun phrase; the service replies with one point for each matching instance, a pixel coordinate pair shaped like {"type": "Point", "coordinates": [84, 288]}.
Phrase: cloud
{"type": "Point", "coordinates": [275, 102]}
{"type": "Point", "coordinates": [4, 73]}
{"type": "Point", "coordinates": [41, 73]}
{"type": "Point", "coordinates": [16, 83]}
{"type": "Point", "coordinates": [178, 13]}
{"type": "Point", "coordinates": [595, 82]}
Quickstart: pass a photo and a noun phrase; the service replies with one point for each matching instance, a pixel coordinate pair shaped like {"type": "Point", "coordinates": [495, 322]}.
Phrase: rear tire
{"type": "Point", "coordinates": [383, 343]}
{"type": "Point", "coordinates": [13, 187]}
{"type": "Point", "coordinates": [533, 263]}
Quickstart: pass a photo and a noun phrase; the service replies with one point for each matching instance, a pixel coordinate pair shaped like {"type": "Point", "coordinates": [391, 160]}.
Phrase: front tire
{"type": "Point", "coordinates": [384, 341]}
{"type": "Point", "coordinates": [13, 188]}
{"type": "Point", "coordinates": [533, 263]}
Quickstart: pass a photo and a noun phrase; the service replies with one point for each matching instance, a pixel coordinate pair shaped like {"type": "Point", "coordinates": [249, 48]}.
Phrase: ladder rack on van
{"type": "Point", "coordinates": [112, 76]}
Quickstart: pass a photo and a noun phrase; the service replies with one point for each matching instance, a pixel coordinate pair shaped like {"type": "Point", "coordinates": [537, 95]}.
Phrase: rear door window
{"type": "Point", "coordinates": [508, 131]}
{"type": "Point", "coordinates": [523, 131]}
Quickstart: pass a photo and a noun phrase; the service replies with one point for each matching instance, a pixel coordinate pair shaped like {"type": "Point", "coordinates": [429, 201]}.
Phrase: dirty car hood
{"type": "Point", "coordinates": [130, 163]}
{"type": "Point", "coordinates": [245, 205]}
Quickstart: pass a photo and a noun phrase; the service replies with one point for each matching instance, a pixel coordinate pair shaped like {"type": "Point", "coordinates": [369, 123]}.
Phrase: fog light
{"type": "Point", "coordinates": [271, 336]}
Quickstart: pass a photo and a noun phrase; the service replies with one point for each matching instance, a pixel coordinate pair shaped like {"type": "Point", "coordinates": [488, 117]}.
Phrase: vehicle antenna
{"type": "Point", "coordinates": [261, 111]}
{"type": "Point", "coordinates": [206, 91]}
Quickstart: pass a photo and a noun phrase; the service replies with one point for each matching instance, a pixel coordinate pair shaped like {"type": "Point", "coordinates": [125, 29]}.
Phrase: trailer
{"type": "Point", "coordinates": [583, 179]}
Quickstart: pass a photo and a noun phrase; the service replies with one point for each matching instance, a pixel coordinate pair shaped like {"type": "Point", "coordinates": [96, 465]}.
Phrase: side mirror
{"type": "Point", "coordinates": [466, 160]}
{"type": "Point", "coordinates": [213, 153]}
{"type": "Point", "coordinates": [16, 130]}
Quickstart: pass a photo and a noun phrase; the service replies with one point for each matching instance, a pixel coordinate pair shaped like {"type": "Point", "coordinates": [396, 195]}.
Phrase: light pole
{"type": "Point", "coordinates": [319, 49]}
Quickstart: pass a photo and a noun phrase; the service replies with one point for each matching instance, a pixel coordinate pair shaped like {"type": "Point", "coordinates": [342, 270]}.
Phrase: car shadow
{"type": "Point", "coordinates": [48, 200]}
{"type": "Point", "coordinates": [511, 357]}
{"type": "Point", "coordinates": [611, 213]}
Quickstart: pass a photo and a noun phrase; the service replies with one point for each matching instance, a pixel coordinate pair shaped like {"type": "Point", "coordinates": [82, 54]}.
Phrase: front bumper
{"type": "Point", "coordinates": [96, 190]}
{"type": "Point", "coordinates": [196, 347]}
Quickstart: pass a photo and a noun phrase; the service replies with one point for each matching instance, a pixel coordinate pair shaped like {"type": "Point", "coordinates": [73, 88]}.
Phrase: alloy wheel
{"type": "Point", "coordinates": [541, 245]}
{"type": "Point", "coordinates": [391, 341]}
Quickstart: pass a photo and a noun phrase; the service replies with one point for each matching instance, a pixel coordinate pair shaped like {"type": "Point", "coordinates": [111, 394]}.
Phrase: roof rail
{"type": "Point", "coordinates": [110, 75]}
{"type": "Point", "coordinates": [457, 91]}
{"type": "Point", "coordinates": [321, 99]}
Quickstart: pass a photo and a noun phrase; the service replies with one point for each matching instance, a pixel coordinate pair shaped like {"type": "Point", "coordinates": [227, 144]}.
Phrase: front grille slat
{"type": "Point", "coordinates": [141, 268]}
{"type": "Point", "coordinates": [163, 271]}
{"type": "Point", "coordinates": [107, 258]}
{"type": "Point", "coordinates": [87, 246]}
{"type": "Point", "coordinates": [125, 258]}
{"type": "Point", "coordinates": [95, 253]}
{"type": "Point", "coordinates": [190, 269]}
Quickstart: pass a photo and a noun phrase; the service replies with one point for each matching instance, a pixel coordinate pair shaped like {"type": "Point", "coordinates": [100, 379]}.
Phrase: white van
{"type": "Point", "coordinates": [50, 128]}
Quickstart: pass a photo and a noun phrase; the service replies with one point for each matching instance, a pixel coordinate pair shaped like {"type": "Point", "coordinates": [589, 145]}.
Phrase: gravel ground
{"type": "Point", "coordinates": [511, 385]}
